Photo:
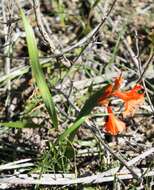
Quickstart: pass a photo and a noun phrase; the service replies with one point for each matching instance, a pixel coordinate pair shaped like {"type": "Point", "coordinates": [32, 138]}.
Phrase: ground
{"type": "Point", "coordinates": [82, 46]}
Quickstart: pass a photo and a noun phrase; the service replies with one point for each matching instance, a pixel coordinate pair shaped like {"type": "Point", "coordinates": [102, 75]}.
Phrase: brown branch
{"type": "Point", "coordinates": [138, 65]}
{"type": "Point", "coordinates": [36, 6]}
{"type": "Point", "coordinates": [148, 62]}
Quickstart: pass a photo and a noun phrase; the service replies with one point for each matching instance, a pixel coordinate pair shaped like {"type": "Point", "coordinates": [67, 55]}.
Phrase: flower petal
{"type": "Point", "coordinates": [131, 107]}
{"type": "Point", "coordinates": [113, 125]}
{"type": "Point", "coordinates": [117, 83]}
{"type": "Point", "coordinates": [103, 100]}
{"type": "Point", "coordinates": [135, 93]}
{"type": "Point", "coordinates": [132, 98]}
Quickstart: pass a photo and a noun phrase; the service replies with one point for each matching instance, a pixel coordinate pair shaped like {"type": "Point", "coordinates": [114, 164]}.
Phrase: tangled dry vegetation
{"type": "Point", "coordinates": [82, 45]}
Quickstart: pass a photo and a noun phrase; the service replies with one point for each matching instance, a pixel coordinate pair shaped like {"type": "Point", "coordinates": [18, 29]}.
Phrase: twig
{"type": "Point", "coordinates": [36, 6]}
{"type": "Point", "coordinates": [63, 51]}
{"type": "Point", "coordinates": [148, 62]}
{"type": "Point", "coordinates": [132, 54]}
{"type": "Point", "coordinates": [90, 34]}
{"type": "Point", "coordinates": [15, 72]}
{"type": "Point", "coordinates": [99, 137]}
{"type": "Point", "coordinates": [66, 179]}
{"type": "Point", "coordinates": [44, 33]}
{"type": "Point", "coordinates": [16, 164]}
{"type": "Point", "coordinates": [138, 65]}
{"type": "Point", "coordinates": [8, 50]}
{"type": "Point", "coordinates": [67, 99]}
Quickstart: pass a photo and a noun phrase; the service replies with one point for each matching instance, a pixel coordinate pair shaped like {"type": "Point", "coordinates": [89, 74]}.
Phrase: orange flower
{"type": "Point", "coordinates": [104, 99]}
{"type": "Point", "coordinates": [117, 83]}
{"type": "Point", "coordinates": [132, 99]}
{"type": "Point", "coordinates": [110, 89]}
{"type": "Point", "coordinates": [113, 125]}
{"type": "Point", "coordinates": [131, 106]}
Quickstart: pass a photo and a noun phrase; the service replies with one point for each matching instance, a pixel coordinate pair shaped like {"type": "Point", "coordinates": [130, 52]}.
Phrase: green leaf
{"type": "Point", "coordinates": [91, 103]}
{"type": "Point", "coordinates": [37, 70]}
{"type": "Point", "coordinates": [71, 129]}
{"type": "Point", "coordinates": [70, 132]}
{"type": "Point", "coordinates": [20, 124]}
{"type": "Point", "coordinates": [67, 137]}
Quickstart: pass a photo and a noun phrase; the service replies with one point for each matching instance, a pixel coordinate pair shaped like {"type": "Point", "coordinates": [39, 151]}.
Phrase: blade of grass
{"type": "Point", "coordinates": [67, 137]}
{"type": "Point", "coordinates": [91, 102]}
{"type": "Point", "coordinates": [70, 132]}
{"type": "Point", "coordinates": [20, 124]}
{"type": "Point", "coordinates": [71, 129]}
{"type": "Point", "coordinates": [37, 70]}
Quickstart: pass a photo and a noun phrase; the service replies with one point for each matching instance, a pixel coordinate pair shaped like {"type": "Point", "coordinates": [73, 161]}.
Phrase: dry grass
{"type": "Point", "coordinates": [82, 45]}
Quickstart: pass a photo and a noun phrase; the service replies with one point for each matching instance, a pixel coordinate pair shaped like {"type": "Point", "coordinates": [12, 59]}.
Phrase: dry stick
{"type": "Point", "coordinates": [7, 51]}
{"type": "Point", "coordinates": [36, 6]}
{"type": "Point", "coordinates": [148, 62]}
{"type": "Point", "coordinates": [139, 66]}
{"type": "Point", "coordinates": [136, 176]}
{"type": "Point", "coordinates": [100, 138]}
{"type": "Point", "coordinates": [24, 69]}
{"type": "Point", "coordinates": [67, 49]}
{"type": "Point", "coordinates": [68, 100]}
{"type": "Point", "coordinates": [20, 70]}
{"type": "Point", "coordinates": [17, 164]}
{"type": "Point", "coordinates": [45, 59]}
{"type": "Point", "coordinates": [44, 32]}
{"type": "Point", "coordinates": [141, 71]}
{"type": "Point", "coordinates": [131, 162]}
{"type": "Point", "coordinates": [132, 54]}
{"type": "Point", "coordinates": [92, 33]}
{"type": "Point", "coordinates": [135, 60]}
{"type": "Point", "coordinates": [85, 39]}
{"type": "Point", "coordinates": [58, 179]}
{"type": "Point", "coordinates": [138, 53]}
{"type": "Point", "coordinates": [68, 179]}
{"type": "Point", "coordinates": [148, 97]}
